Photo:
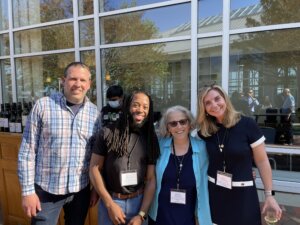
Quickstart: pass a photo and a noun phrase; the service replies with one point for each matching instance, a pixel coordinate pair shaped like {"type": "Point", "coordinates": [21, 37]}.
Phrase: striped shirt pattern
{"type": "Point", "coordinates": [56, 146]}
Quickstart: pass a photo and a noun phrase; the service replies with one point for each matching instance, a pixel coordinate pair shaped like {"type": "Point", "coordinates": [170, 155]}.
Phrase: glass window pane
{"type": "Point", "coordinates": [88, 57]}
{"type": "Point", "coordinates": [6, 80]}
{"type": "Point", "coordinates": [4, 44]}
{"type": "Point", "coordinates": [143, 25]}
{"type": "Point", "coordinates": [267, 63]}
{"type": "Point", "coordinates": [3, 15]}
{"type": "Point", "coordinates": [210, 16]}
{"type": "Point", "coordinates": [253, 13]}
{"type": "Point", "coordinates": [44, 39]}
{"type": "Point", "coordinates": [39, 76]}
{"type": "Point", "coordinates": [87, 36]}
{"type": "Point", "coordinates": [86, 7]}
{"type": "Point", "coordinates": [28, 12]}
{"type": "Point", "coordinates": [110, 5]}
{"type": "Point", "coordinates": [163, 70]}
{"type": "Point", "coordinates": [210, 61]}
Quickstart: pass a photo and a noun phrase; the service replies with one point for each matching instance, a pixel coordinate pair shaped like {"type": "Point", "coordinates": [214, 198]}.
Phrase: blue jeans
{"type": "Point", "coordinates": [75, 207]}
{"type": "Point", "coordinates": [130, 207]}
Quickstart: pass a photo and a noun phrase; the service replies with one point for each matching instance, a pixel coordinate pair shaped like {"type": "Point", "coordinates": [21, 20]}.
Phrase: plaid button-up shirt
{"type": "Point", "coordinates": [56, 146]}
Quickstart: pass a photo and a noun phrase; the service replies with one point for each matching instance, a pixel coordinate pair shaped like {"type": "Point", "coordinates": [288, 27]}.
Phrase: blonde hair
{"type": "Point", "coordinates": [207, 124]}
{"type": "Point", "coordinates": [163, 125]}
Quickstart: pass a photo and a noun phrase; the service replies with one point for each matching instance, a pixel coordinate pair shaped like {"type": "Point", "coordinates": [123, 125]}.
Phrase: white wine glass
{"type": "Point", "coordinates": [270, 217]}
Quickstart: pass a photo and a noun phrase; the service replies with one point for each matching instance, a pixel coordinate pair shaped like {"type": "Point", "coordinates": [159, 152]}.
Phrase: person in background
{"type": "Point", "coordinates": [240, 103]}
{"type": "Point", "coordinates": [252, 101]}
{"type": "Point", "coordinates": [181, 171]}
{"type": "Point", "coordinates": [55, 152]}
{"type": "Point", "coordinates": [288, 109]}
{"type": "Point", "coordinates": [111, 112]}
{"type": "Point", "coordinates": [267, 104]}
{"type": "Point", "coordinates": [122, 168]}
{"type": "Point", "coordinates": [289, 101]}
{"type": "Point", "coordinates": [233, 141]}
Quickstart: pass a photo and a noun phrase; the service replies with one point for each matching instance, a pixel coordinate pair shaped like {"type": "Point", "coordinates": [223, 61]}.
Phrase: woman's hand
{"type": "Point", "coordinates": [271, 203]}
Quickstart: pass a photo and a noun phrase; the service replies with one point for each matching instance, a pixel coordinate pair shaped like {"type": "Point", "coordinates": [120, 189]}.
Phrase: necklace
{"type": "Point", "coordinates": [179, 159]}
{"type": "Point", "coordinates": [180, 162]}
{"type": "Point", "coordinates": [221, 145]}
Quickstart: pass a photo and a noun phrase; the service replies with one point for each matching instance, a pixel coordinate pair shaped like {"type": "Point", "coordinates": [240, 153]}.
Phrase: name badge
{"type": "Point", "coordinates": [178, 196]}
{"type": "Point", "coordinates": [224, 179]}
{"type": "Point", "coordinates": [128, 178]}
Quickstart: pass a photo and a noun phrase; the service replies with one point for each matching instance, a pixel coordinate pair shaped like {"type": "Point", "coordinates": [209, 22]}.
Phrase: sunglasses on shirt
{"type": "Point", "coordinates": [175, 123]}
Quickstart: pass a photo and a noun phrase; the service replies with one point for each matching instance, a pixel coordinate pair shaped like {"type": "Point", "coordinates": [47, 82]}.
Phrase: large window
{"type": "Point", "coordinates": [40, 76]}
{"type": "Point", "coordinates": [144, 25]}
{"type": "Point", "coordinates": [86, 7]}
{"type": "Point", "coordinates": [29, 12]}
{"type": "Point", "coordinates": [44, 39]}
{"type": "Point", "coordinates": [6, 80]}
{"type": "Point", "coordinates": [253, 13]}
{"type": "Point", "coordinates": [110, 5]}
{"type": "Point", "coordinates": [87, 36]}
{"type": "Point", "coordinates": [4, 44]}
{"type": "Point", "coordinates": [210, 17]}
{"type": "Point", "coordinates": [88, 57]}
{"type": "Point", "coordinates": [209, 61]}
{"type": "Point", "coordinates": [267, 64]}
{"type": "Point", "coordinates": [163, 70]}
{"type": "Point", "coordinates": [3, 15]}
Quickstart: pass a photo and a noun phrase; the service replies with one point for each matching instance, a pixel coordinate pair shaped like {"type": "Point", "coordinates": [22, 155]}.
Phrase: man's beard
{"type": "Point", "coordinates": [134, 124]}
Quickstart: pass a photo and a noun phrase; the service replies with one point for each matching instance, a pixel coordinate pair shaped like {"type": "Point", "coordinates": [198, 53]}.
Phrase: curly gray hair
{"type": "Point", "coordinates": [163, 125]}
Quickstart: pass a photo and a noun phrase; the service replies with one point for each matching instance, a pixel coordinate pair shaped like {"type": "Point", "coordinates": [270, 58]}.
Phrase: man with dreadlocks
{"type": "Point", "coordinates": [125, 154]}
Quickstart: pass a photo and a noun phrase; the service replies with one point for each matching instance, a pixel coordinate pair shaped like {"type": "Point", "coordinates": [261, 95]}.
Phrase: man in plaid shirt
{"type": "Point", "coordinates": [55, 152]}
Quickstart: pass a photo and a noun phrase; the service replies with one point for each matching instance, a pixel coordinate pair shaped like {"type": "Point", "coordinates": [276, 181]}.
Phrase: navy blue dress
{"type": "Point", "coordinates": [239, 205]}
{"type": "Point", "coordinates": [177, 214]}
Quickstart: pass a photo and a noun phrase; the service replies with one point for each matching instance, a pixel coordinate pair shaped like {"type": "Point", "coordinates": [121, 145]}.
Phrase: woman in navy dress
{"type": "Point", "coordinates": [233, 142]}
{"type": "Point", "coordinates": [181, 196]}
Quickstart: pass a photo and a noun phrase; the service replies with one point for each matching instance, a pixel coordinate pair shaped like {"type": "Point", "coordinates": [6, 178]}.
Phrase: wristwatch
{"type": "Point", "coordinates": [269, 193]}
{"type": "Point", "coordinates": [143, 216]}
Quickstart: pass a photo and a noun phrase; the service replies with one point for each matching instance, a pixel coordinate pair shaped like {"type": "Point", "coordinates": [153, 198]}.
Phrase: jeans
{"type": "Point", "coordinates": [75, 207]}
{"type": "Point", "coordinates": [130, 207]}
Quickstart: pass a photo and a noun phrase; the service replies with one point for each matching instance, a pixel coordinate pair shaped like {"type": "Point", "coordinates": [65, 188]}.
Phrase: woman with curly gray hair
{"type": "Point", "coordinates": [181, 195]}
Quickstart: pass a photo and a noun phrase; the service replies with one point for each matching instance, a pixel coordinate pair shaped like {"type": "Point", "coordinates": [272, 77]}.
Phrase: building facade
{"type": "Point", "coordinates": [170, 49]}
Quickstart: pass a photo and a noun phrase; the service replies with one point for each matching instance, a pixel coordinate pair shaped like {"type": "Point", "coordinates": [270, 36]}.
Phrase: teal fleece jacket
{"type": "Point", "coordinates": [200, 165]}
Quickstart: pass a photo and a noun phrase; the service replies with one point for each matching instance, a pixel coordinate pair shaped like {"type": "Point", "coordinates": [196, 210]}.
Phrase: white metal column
{"type": "Point", "coordinates": [194, 56]}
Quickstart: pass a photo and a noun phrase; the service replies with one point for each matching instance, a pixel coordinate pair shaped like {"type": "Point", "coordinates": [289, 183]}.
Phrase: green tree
{"type": "Point", "coordinates": [134, 66]}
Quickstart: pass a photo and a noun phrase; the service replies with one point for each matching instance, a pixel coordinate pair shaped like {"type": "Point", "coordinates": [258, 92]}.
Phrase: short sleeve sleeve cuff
{"type": "Point", "coordinates": [258, 142]}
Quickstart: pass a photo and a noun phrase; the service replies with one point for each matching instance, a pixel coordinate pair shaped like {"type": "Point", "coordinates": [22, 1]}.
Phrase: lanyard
{"type": "Point", "coordinates": [180, 166]}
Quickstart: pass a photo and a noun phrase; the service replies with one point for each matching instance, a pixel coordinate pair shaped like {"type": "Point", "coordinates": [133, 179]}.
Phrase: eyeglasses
{"type": "Point", "coordinates": [181, 122]}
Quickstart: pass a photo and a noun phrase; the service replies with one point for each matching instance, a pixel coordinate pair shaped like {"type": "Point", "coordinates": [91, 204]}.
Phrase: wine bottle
{"type": "Point", "coordinates": [2, 118]}
{"type": "Point", "coordinates": [18, 122]}
{"type": "Point", "coordinates": [12, 120]}
{"type": "Point", "coordinates": [25, 114]}
{"type": "Point", "coordinates": [6, 117]}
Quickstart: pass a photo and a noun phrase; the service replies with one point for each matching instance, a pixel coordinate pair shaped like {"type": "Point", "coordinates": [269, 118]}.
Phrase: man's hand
{"type": "Point", "coordinates": [116, 214]}
{"type": "Point", "coordinates": [31, 205]}
{"type": "Point", "coordinates": [94, 198]}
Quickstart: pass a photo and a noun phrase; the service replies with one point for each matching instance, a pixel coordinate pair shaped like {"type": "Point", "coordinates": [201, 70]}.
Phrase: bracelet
{"type": "Point", "coordinates": [142, 214]}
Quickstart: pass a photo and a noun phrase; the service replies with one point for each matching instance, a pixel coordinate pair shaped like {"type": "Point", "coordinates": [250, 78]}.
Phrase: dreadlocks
{"type": "Point", "coordinates": [118, 137]}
